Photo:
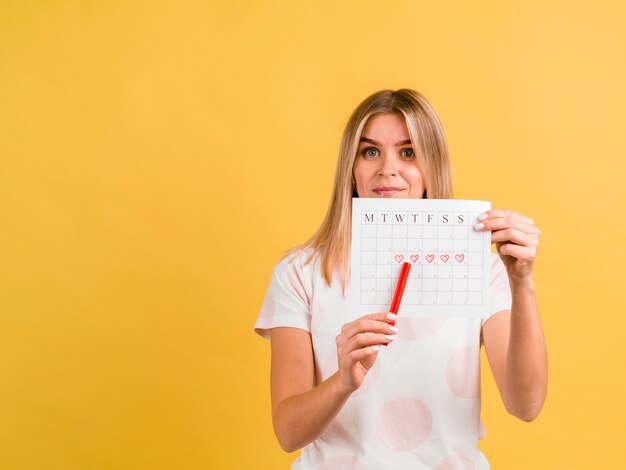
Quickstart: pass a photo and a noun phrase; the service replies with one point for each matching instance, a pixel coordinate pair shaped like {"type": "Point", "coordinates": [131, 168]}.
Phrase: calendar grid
{"type": "Point", "coordinates": [445, 252]}
{"type": "Point", "coordinates": [450, 261]}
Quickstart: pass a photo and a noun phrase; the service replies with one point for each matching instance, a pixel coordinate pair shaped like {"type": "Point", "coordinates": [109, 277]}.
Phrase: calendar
{"type": "Point", "coordinates": [450, 261]}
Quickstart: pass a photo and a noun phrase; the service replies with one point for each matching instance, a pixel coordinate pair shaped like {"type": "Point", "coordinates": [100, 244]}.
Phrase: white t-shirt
{"type": "Point", "coordinates": [419, 405]}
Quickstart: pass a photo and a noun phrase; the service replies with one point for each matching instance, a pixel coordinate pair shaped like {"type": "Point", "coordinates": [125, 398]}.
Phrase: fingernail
{"type": "Point", "coordinates": [376, 348]}
{"type": "Point", "coordinates": [482, 216]}
{"type": "Point", "coordinates": [393, 328]}
{"type": "Point", "coordinates": [392, 316]}
{"type": "Point", "coordinates": [479, 226]}
{"type": "Point", "coordinates": [390, 337]}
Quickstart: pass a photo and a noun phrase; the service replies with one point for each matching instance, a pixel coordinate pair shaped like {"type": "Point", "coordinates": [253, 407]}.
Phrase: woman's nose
{"type": "Point", "coordinates": [388, 166]}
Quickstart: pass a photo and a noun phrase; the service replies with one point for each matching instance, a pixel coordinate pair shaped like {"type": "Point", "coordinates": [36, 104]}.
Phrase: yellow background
{"type": "Point", "coordinates": [157, 158]}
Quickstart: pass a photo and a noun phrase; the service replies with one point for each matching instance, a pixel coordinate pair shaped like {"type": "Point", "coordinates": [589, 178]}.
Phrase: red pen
{"type": "Point", "coordinates": [397, 295]}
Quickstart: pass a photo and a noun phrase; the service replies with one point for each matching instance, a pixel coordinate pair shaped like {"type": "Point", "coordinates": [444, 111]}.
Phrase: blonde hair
{"type": "Point", "coordinates": [331, 242]}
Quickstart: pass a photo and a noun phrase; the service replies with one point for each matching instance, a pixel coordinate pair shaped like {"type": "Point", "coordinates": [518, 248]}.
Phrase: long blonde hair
{"type": "Point", "coordinates": [331, 242]}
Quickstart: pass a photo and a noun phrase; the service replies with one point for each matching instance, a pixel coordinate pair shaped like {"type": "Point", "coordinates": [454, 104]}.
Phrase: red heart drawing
{"type": "Point", "coordinates": [414, 258]}
{"type": "Point", "coordinates": [445, 258]}
{"type": "Point", "coordinates": [430, 258]}
{"type": "Point", "coordinates": [459, 257]}
{"type": "Point", "coordinates": [399, 258]}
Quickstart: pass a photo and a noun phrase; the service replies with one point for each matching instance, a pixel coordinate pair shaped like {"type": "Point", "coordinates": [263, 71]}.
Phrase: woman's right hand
{"type": "Point", "coordinates": [358, 345]}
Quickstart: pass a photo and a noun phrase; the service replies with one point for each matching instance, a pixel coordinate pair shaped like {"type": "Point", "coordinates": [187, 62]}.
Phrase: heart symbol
{"type": "Point", "coordinates": [414, 258]}
{"type": "Point", "coordinates": [430, 258]}
{"type": "Point", "coordinates": [445, 258]}
{"type": "Point", "coordinates": [399, 258]}
{"type": "Point", "coordinates": [459, 258]}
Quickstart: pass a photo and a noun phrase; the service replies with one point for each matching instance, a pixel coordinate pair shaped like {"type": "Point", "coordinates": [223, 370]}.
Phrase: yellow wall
{"type": "Point", "coordinates": [158, 157]}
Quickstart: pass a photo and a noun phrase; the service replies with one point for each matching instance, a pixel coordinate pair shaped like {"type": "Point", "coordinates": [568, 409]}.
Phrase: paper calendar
{"type": "Point", "coordinates": [450, 261]}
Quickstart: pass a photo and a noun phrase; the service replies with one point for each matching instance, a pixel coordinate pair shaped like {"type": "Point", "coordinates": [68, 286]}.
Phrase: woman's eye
{"type": "Point", "coordinates": [407, 153]}
{"type": "Point", "coordinates": [370, 152]}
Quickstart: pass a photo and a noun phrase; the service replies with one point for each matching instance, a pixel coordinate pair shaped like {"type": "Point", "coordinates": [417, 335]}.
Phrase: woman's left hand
{"type": "Point", "coordinates": [516, 239]}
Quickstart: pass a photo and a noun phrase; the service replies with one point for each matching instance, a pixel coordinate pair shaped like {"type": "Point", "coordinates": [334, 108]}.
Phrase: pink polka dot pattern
{"type": "Point", "coordinates": [456, 462]}
{"type": "Point", "coordinates": [404, 423]}
{"type": "Point", "coordinates": [463, 374]}
{"type": "Point", "coordinates": [430, 407]}
{"type": "Point", "coordinates": [418, 328]}
{"type": "Point", "coordinates": [347, 462]}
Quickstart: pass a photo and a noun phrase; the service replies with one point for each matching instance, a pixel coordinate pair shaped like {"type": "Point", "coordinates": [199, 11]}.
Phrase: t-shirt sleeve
{"type": "Point", "coordinates": [499, 287]}
{"type": "Point", "coordinates": [287, 300]}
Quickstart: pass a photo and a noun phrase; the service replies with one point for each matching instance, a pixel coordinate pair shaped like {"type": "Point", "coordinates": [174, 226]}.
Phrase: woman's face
{"type": "Point", "coordinates": [385, 164]}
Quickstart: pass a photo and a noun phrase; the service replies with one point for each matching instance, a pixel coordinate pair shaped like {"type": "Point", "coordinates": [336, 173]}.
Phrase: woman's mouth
{"type": "Point", "coordinates": [387, 191]}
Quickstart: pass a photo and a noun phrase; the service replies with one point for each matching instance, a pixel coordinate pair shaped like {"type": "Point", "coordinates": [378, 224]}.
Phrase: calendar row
{"type": "Point", "coordinates": [419, 231]}
{"type": "Point", "coordinates": [391, 274]}
{"type": "Point", "coordinates": [444, 218]}
{"type": "Point", "coordinates": [424, 298]}
{"type": "Point", "coordinates": [384, 258]}
{"type": "Point", "coordinates": [419, 244]}
{"type": "Point", "coordinates": [424, 285]}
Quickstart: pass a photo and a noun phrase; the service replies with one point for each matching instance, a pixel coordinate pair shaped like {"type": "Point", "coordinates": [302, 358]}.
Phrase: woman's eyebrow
{"type": "Point", "coordinates": [372, 141]}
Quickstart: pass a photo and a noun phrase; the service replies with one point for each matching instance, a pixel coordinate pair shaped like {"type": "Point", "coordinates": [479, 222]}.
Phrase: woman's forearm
{"type": "Point", "coordinates": [526, 378]}
{"type": "Point", "coordinates": [300, 419]}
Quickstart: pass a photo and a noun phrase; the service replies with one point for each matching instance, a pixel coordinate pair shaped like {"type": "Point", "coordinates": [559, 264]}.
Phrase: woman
{"type": "Point", "coordinates": [415, 404]}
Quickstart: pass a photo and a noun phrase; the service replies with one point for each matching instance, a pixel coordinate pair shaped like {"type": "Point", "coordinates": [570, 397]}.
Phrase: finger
{"type": "Point", "coordinates": [500, 223]}
{"type": "Point", "coordinates": [522, 253]}
{"type": "Point", "coordinates": [387, 317]}
{"type": "Point", "coordinates": [362, 326]}
{"type": "Point", "coordinates": [380, 316]}
{"type": "Point", "coordinates": [364, 356]}
{"type": "Point", "coordinates": [363, 340]}
{"type": "Point", "coordinates": [493, 213]}
{"type": "Point", "coordinates": [369, 360]}
{"type": "Point", "coordinates": [514, 235]}
{"type": "Point", "coordinates": [347, 330]}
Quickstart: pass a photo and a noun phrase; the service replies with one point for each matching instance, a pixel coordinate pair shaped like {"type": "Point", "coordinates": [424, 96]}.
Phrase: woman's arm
{"type": "Point", "coordinates": [301, 412]}
{"type": "Point", "coordinates": [514, 339]}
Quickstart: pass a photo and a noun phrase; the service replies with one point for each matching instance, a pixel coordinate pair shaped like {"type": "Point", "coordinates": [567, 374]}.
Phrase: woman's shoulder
{"type": "Point", "coordinates": [299, 259]}
{"type": "Point", "coordinates": [298, 255]}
